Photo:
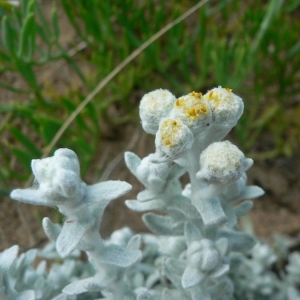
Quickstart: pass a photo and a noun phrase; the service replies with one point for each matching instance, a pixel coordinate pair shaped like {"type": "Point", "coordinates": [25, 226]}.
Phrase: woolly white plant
{"type": "Point", "coordinates": [197, 251]}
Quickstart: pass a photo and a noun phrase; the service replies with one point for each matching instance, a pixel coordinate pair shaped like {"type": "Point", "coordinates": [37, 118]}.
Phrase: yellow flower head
{"type": "Point", "coordinates": [226, 107]}
{"type": "Point", "coordinates": [173, 137]}
{"type": "Point", "coordinates": [192, 109]}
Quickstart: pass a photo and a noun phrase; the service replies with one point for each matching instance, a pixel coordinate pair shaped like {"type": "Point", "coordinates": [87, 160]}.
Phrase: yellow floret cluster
{"type": "Point", "coordinates": [192, 109]}
{"type": "Point", "coordinates": [173, 137]}
{"type": "Point", "coordinates": [225, 105]}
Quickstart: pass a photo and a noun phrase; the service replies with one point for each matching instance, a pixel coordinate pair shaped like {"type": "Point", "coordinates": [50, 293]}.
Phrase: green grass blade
{"type": "Point", "coordinates": [272, 9]}
{"type": "Point", "coordinates": [23, 157]}
{"type": "Point", "coordinates": [25, 141]}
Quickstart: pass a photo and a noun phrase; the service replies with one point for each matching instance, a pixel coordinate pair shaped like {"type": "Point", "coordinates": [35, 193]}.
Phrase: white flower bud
{"type": "Point", "coordinates": [226, 106]}
{"type": "Point", "coordinates": [222, 162]}
{"type": "Point", "coordinates": [173, 137]}
{"type": "Point", "coordinates": [153, 107]}
{"type": "Point", "coordinates": [193, 109]}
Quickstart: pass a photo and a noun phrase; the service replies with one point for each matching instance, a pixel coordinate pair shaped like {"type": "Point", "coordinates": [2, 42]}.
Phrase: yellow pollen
{"type": "Point", "coordinates": [179, 102]}
{"type": "Point", "coordinates": [169, 129]}
{"type": "Point", "coordinates": [228, 90]}
{"type": "Point", "coordinates": [212, 94]}
{"type": "Point", "coordinates": [167, 143]}
{"type": "Point", "coordinates": [195, 94]}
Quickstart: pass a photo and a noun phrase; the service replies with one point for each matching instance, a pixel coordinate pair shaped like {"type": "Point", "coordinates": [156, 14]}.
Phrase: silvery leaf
{"type": "Point", "coordinates": [191, 232]}
{"type": "Point", "coordinates": [52, 230]}
{"type": "Point", "coordinates": [144, 295]}
{"type": "Point", "coordinates": [191, 277]}
{"type": "Point", "coordinates": [103, 192]}
{"type": "Point", "coordinates": [220, 271]}
{"type": "Point", "coordinates": [222, 246]}
{"type": "Point", "coordinates": [243, 208]}
{"type": "Point", "coordinates": [81, 286]}
{"type": "Point", "coordinates": [30, 196]}
{"type": "Point", "coordinates": [70, 236]}
{"type": "Point", "coordinates": [132, 161]}
{"type": "Point", "coordinates": [8, 256]}
{"type": "Point", "coordinates": [119, 256]}
{"type": "Point", "coordinates": [146, 195]}
{"type": "Point", "coordinates": [169, 271]}
{"type": "Point", "coordinates": [160, 225]}
{"type": "Point", "coordinates": [250, 192]}
{"type": "Point", "coordinates": [238, 241]}
{"type": "Point", "coordinates": [135, 242]}
{"type": "Point", "coordinates": [25, 295]}
{"type": "Point", "coordinates": [144, 206]}
{"type": "Point", "coordinates": [184, 205]}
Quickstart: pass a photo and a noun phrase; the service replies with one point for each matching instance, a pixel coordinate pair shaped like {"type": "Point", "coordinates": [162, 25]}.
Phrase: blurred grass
{"type": "Point", "coordinates": [250, 46]}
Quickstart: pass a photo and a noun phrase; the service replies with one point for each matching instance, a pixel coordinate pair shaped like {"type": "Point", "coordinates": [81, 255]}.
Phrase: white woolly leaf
{"type": "Point", "coordinates": [70, 236]}
{"type": "Point", "coordinates": [8, 256]}
{"type": "Point", "coordinates": [30, 196]}
{"type": "Point", "coordinates": [135, 242]}
{"type": "Point", "coordinates": [132, 161]}
{"type": "Point", "coordinates": [243, 208]}
{"type": "Point", "coordinates": [119, 256]}
{"type": "Point", "coordinates": [160, 225]}
{"type": "Point", "coordinates": [250, 192]}
{"type": "Point", "coordinates": [145, 206]}
{"type": "Point", "coordinates": [191, 277]}
{"type": "Point", "coordinates": [191, 232]}
{"type": "Point", "coordinates": [52, 230]}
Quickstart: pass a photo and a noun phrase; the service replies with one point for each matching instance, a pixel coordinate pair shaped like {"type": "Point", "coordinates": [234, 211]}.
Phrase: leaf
{"type": "Point", "coordinates": [71, 235]}
{"type": "Point", "coordinates": [49, 128]}
{"type": "Point", "coordinates": [183, 204]}
{"type": "Point", "coordinates": [23, 157]}
{"type": "Point", "coordinates": [161, 225]}
{"type": "Point", "coordinates": [30, 196]}
{"type": "Point", "coordinates": [106, 191]}
{"type": "Point", "coordinates": [27, 39]}
{"type": "Point", "coordinates": [250, 192]}
{"type": "Point", "coordinates": [191, 277]}
{"type": "Point", "coordinates": [52, 230]}
{"type": "Point", "coordinates": [132, 162]}
{"type": "Point", "coordinates": [79, 286]}
{"type": "Point", "coordinates": [222, 246]}
{"type": "Point", "coordinates": [243, 208]}
{"type": "Point", "coordinates": [119, 256]}
{"type": "Point", "coordinates": [27, 72]}
{"type": "Point", "coordinates": [8, 256]}
{"type": "Point", "coordinates": [146, 195]}
{"type": "Point", "coordinates": [238, 241]}
{"type": "Point", "coordinates": [26, 142]}
{"type": "Point", "coordinates": [8, 36]}
{"type": "Point", "coordinates": [26, 295]}
{"type": "Point", "coordinates": [135, 242]}
{"type": "Point", "coordinates": [145, 206]}
{"type": "Point", "coordinates": [55, 24]}
{"type": "Point", "coordinates": [220, 271]}
{"type": "Point", "coordinates": [191, 232]}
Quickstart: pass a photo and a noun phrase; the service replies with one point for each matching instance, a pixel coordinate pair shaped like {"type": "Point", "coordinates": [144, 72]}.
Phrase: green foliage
{"type": "Point", "coordinates": [250, 47]}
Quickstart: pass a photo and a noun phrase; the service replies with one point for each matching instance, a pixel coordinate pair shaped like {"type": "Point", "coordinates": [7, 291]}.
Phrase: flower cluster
{"type": "Point", "coordinates": [198, 251]}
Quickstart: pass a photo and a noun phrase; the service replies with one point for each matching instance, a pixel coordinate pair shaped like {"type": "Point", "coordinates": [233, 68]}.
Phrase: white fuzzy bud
{"type": "Point", "coordinates": [153, 107]}
{"type": "Point", "coordinates": [193, 109]}
{"type": "Point", "coordinates": [59, 173]}
{"type": "Point", "coordinates": [222, 162]}
{"type": "Point", "coordinates": [173, 137]}
{"type": "Point", "coordinates": [226, 107]}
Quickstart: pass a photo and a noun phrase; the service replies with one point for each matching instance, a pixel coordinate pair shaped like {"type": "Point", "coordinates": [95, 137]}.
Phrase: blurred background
{"type": "Point", "coordinates": [56, 54]}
